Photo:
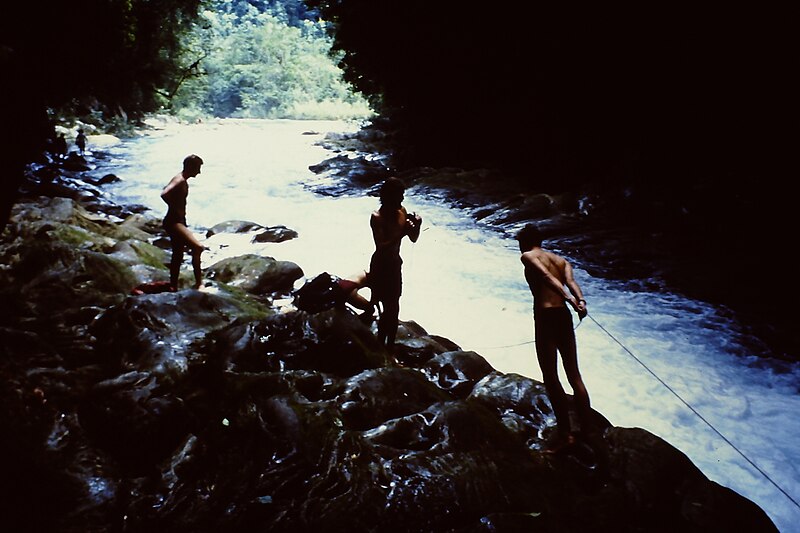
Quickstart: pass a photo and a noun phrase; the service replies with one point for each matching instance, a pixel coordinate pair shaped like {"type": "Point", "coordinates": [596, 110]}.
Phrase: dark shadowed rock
{"type": "Point", "coordinates": [134, 418]}
{"type": "Point", "coordinates": [76, 162]}
{"type": "Point", "coordinates": [414, 346]}
{"type": "Point", "coordinates": [674, 488]}
{"type": "Point", "coordinates": [108, 179]}
{"type": "Point", "coordinates": [275, 234]}
{"type": "Point", "coordinates": [155, 332]}
{"type": "Point", "coordinates": [457, 372]}
{"type": "Point", "coordinates": [375, 396]}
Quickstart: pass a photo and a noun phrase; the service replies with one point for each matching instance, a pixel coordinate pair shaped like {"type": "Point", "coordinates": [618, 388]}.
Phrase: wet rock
{"type": "Point", "coordinates": [76, 162]}
{"type": "Point", "coordinates": [256, 274]}
{"type": "Point", "coordinates": [275, 234]}
{"type": "Point", "coordinates": [261, 233]}
{"type": "Point", "coordinates": [155, 332]}
{"type": "Point", "coordinates": [233, 226]}
{"type": "Point", "coordinates": [49, 276]}
{"type": "Point", "coordinates": [134, 419]}
{"type": "Point", "coordinates": [348, 173]}
{"type": "Point", "coordinates": [108, 179]}
{"type": "Point", "coordinates": [133, 252]}
{"type": "Point", "coordinates": [414, 347]}
{"type": "Point", "coordinates": [650, 465]}
{"type": "Point", "coordinates": [457, 372]}
{"type": "Point", "coordinates": [375, 396]}
{"type": "Point", "coordinates": [533, 207]}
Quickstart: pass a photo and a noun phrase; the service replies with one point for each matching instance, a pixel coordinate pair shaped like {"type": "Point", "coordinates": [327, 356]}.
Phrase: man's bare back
{"type": "Point", "coordinates": [174, 195]}
{"type": "Point", "coordinates": [547, 275]}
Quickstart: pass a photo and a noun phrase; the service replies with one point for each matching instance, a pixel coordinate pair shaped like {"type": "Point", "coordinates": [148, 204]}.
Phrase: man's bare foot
{"type": "Point", "coordinates": [559, 443]}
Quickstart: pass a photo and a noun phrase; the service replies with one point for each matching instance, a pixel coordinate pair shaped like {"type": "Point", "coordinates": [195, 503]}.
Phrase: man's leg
{"type": "Point", "coordinates": [547, 355]}
{"type": "Point", "coordinates": [386, 292]}
{"type": "Point", "coordinates": [387, 325]}
{"type": "Point", "coordinates": [177, 260]}
{"type": "Point", "coordinates": [196, 248]}
{"type": "Point", "coordinates": [196, 266]}
{"type": "Point", "coordinates": [569, 355]}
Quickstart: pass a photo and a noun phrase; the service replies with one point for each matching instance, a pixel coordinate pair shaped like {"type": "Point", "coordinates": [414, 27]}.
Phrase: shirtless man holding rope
{"type": "Point", "coordinates": [547, 275]}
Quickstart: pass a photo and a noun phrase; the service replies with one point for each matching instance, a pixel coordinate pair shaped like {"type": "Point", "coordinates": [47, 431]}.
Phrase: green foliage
{"type": "Point", "coordinates": [254, 64]}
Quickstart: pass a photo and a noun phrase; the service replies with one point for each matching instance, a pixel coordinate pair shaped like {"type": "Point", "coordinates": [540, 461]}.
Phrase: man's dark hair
{"type": "Point", "coordinates": [528, 237]}
{"type": "Point", "coordinates": [192, 161]}
{"type": "Point", "coordinates": [392, 193]}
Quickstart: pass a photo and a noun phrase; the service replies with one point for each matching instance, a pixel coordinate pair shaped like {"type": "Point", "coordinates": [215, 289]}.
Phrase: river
{"type": "Point", "coordinates": [681, 369]}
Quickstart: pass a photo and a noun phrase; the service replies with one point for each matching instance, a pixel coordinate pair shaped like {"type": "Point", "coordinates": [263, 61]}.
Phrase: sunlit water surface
{"type": "Point", "coordinates": [464, 281]}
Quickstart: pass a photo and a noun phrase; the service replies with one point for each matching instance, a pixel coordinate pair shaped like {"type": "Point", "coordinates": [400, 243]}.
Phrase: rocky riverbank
{"type": "Point", "coordinates": [230, 410]}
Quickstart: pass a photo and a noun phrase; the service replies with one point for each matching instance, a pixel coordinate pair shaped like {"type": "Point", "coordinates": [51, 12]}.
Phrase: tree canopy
{"type": "Point", "coordinates": [263, 60]}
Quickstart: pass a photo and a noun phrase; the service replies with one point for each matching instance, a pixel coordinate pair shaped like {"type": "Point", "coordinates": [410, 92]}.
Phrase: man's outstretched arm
{"type": "Point", "coordinates": [577, 301]}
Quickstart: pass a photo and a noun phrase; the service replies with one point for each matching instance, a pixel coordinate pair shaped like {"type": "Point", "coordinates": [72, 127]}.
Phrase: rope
{"type": "Point", "coordinates": [670, 389]}
{"type": "Point", "coordinates": [505, 346]}
{"type": "Point", "coordinates": [693, 410]}
{"type": "Point", "coordinates": [523, 343]}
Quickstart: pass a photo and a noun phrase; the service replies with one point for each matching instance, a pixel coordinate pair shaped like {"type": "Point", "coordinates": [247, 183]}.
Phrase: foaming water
{"type": "Point", "coordinates": [464, 281]}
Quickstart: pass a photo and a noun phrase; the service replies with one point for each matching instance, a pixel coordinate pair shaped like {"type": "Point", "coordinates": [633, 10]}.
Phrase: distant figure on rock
{"type": "Point", "coordinates": [547, 275]}
{"type": "Point", "coordinates": [60, 146]}
{"type": "Point", "coordinates": [390, 223]}
{"type": "Point", "coordinates": [175, 194]}
{"type": "Point", "coordinates": [80, 142]}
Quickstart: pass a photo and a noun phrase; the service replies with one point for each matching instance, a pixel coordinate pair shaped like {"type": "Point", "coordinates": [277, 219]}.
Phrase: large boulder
{"type": "Point", "coordinates": [256, 274]}
{"type": "Point", "coordinates": [155, 332]}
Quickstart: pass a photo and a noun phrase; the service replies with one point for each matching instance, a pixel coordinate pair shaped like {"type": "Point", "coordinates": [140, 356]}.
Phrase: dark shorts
{"type": "Point", "coordinates": [177, 239]}
{"type": "Point", "coordinates": [385, 277]}
{"type": "Point", "coordinates": [553, 324]}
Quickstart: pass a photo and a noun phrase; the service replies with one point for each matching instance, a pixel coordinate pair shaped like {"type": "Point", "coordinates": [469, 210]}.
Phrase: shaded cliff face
{"type": "Point", "coordinates": [222, 411]}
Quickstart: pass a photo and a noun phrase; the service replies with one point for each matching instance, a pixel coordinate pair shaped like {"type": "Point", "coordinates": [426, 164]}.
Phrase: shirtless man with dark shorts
{"type": "Point", "coordinates": [547, 275]}
{"type": "Point", "coordinates": [390, 223]}
{"type": "Point", "coordinates": [175, 194]}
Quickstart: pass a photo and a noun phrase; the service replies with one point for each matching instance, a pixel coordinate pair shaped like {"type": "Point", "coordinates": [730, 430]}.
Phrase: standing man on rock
{"type": "Point", "coordinates": [390, 223]}
{"type": "Point", "coordinates": [80, 141]}
{"type": "Point", "coordinates": [547, 275]}
{"type": "Point", "coordinates": [175, 194]}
